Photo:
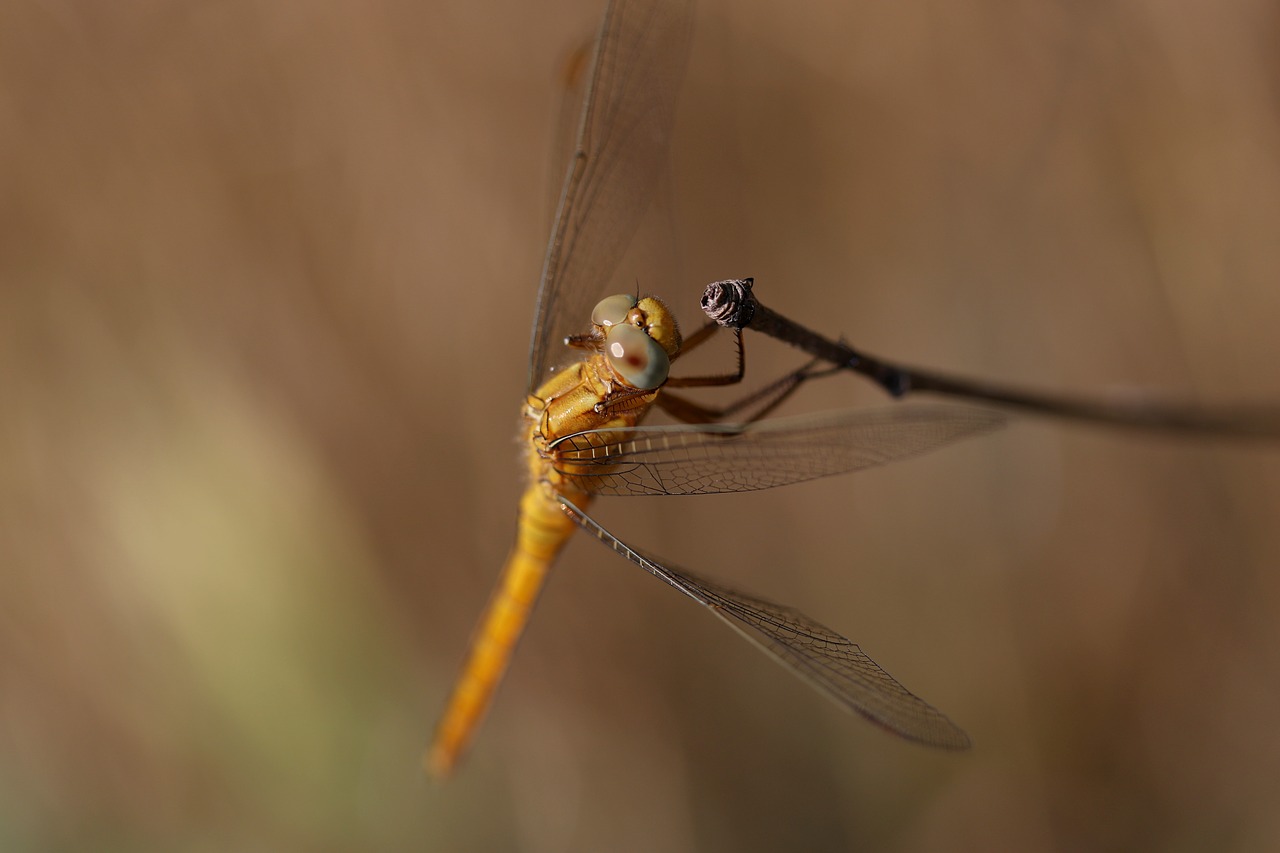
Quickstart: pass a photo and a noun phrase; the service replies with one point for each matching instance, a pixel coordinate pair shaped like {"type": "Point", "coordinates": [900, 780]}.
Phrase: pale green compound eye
{"type": "Point", "coordinates": [612, 310]}
{"type": "Point", "coordinates": [637, 358]}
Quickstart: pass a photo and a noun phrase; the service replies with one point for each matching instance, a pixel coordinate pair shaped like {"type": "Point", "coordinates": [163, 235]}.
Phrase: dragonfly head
{"type": "Point", "coordinates": [640, 338]}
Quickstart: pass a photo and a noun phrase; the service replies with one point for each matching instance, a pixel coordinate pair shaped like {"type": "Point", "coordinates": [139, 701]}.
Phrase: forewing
{"type": "Point", "coordinates": [719, 458]}
{"type": "Point", "coordinates": [621, 148]}
{"type": "Point", "coordinates": [833, 664]}
{"type": "Point", "coordinates": [572, 82]}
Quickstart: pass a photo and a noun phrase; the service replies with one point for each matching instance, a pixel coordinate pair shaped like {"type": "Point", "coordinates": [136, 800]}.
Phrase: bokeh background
{"type": "Point", "coordinates": [266, 275]}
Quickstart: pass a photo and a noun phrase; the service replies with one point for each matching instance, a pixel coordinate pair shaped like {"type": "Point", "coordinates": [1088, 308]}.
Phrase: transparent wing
{"type": "Point", "coordinates": [830, 662]}
{"type": "Point", "coordinates": [718, 458]}
{"type": "Point", "coordinates": [622, 140]}
{"type": "Point", "coordinates": [573, 88]}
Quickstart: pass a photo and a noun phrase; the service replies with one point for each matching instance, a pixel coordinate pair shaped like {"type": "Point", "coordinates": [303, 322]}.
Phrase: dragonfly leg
{"type": "Point", "coordinates": [589, 341]}
{"type": "Point", "coordinates": [624, 401]}
{"type": "Point", "coordinates": [694, 340]}
{"type": "Point", "coordinates": [698, 338]}
{"type": "Point", "coordinates": [767, 398]}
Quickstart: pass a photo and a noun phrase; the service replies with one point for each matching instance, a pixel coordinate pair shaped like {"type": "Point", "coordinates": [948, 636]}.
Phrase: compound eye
{"type": "Point", "coordinates": [612, 310]}
{"type": "Point", "coordinates": [637, 358]}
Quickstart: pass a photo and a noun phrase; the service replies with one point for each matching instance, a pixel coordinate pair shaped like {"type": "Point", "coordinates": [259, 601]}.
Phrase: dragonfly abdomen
{"type": "Point", "coordinates": [543, 529]}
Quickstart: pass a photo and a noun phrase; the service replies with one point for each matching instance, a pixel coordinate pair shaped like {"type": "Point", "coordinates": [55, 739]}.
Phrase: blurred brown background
{"type": "Point", "coordinates": [266, 275]}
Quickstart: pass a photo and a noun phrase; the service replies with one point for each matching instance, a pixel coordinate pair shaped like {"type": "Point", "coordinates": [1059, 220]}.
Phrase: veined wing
{"type": "Point", "coordinates": [834, 665]}
{"type": "Point", "coordinates": [718, 458]}
{"type": "Point", "coordinates": [573, 89]}
{"type": "Point", "coordinates": [627, 113]}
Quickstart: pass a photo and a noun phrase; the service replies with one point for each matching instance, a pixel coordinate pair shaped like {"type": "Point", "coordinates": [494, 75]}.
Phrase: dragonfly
{"type": "Point", "coordinates": [597, 367]}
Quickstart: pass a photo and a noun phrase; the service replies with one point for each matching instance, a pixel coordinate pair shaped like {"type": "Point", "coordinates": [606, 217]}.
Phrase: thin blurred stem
{"type": "Point", "coordinates": [732, 303]}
